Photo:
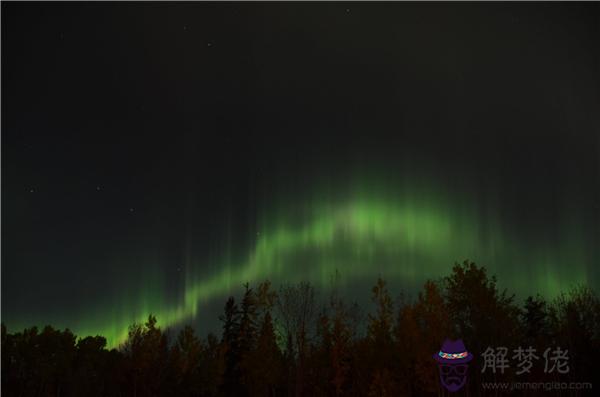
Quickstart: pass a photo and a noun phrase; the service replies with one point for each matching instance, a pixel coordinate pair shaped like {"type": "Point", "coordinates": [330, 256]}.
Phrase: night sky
{"type": "Point", "coordinates": [155, 157]}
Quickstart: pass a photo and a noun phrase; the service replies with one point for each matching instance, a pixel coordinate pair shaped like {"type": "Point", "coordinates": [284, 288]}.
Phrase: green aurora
{"type": "Point", "coordinates": [406, 235]}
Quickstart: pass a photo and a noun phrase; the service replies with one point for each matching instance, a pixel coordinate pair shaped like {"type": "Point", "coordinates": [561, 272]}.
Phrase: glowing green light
{"type": "Point", "coordinates": [408, 235]}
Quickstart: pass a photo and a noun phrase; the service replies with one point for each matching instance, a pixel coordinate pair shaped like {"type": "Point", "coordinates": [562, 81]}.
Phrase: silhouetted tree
{"type": "Point", "coordinates": [247, 330]}
{"type": "Point", "coordinates": [420, 329]}
{"type": "Point", "coordinates": [259, 355]}
{"type": "Point", "coordinates": [146, 352]}
{"type": "Point", "coordinates": [232, 377]}
{"type": "Point", "coordinates": [91, 367]}
{"type": "Point", "coordinates": [263, 365]}
{"type": "Point", "coordinates": [481, 315]}
{"type": "Point", "coordinates": [535, 320]}
{"type": "Point", "coordinates": [184, 363]}
{"type": "Point", "coordinates": [212, 366]}
{"type": "Point", "coordinates": [575, 325]}
{"type": "Point", "coordinates": [296, 309]}
{"type": "Point", "coordinates": [379, 333]}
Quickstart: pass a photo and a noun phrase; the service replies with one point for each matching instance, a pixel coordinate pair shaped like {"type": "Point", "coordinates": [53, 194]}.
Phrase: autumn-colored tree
{"type": "Point", "coordinates": [477, 308]}
{"type": "Point", "coordinates": [319, 365]}
{"type": "Point", "coordinates": [146, 352]}
{"type": "Point", "coordinates": [184, 363]}
{"type": "Point", "coordinates": [332, 355]}
{"type": "Point", "coordinates": [481, 315]}
{"type": "Point", "coordinates": [383, 384]}
{"type": "Point", "coordinates": [262, 359]}
{"type": "Point", "coordinates": [263, 365]}
{"type": "Point", "coordinates": [265, 299]}
{"type": "Point", "coordinates": [342, 332]}
{"type": "Point", "coordinates": [409, 345]}
{"type": "Point", "coordinates": [380, 324]}
{"type": "Point", "coordinates": [259, 355]}
{"type": "Point", "coordinates": [380, 338]}
{"type": "Point", "coordinates": [296, 313]}
{"type": "Point", "coordinates": [420, 329]}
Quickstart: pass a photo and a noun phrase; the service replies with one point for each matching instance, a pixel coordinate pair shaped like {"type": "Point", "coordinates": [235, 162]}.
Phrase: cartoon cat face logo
{"type": "Point", "coordinates": [453, 363]}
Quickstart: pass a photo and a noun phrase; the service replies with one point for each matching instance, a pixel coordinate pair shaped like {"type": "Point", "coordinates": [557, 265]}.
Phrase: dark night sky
{"type": "Point", "coordinates": [153, 133]}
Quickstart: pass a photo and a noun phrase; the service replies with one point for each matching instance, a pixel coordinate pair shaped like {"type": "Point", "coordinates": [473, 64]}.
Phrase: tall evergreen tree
{"type": "Point", "coordinates": [232, 376]}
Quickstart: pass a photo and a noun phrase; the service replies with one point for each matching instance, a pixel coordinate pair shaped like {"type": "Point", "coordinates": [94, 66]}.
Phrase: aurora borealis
{"type": "Point", "coordinates": [185, 150]}
{"type": "Point", "coordinates": [404, 236]}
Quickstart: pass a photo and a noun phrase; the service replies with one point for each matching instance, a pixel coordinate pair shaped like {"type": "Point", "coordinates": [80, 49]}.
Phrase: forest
{"type": "Point", "coordinates": [286, 341]}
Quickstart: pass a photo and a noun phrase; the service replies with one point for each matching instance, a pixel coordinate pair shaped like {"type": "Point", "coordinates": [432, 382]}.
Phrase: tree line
{"type": "Point", "coordinates": [286, 342]}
